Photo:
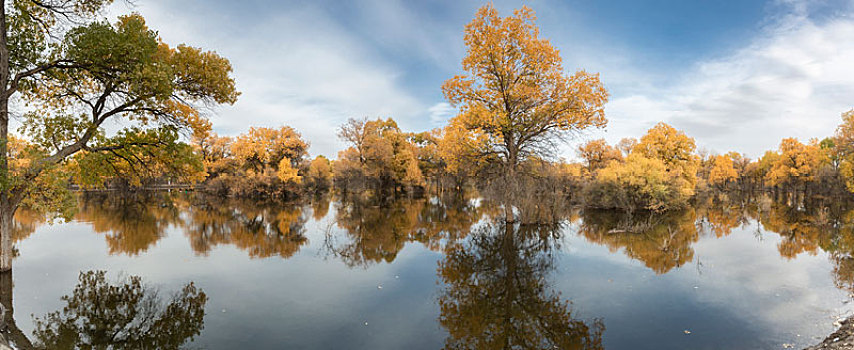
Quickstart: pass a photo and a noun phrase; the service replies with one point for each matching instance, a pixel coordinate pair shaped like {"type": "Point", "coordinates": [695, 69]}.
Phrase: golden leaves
{"type": "Point", "coordinates": [722, 170]}
{"type": "Point", "coordinates": [515, 91]}
{"type": "Point", "coordinates": [795, 163]}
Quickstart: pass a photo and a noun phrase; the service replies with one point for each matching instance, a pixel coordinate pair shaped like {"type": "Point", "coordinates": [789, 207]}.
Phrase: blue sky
{"type": "Point", "coordinates": [736, 75]}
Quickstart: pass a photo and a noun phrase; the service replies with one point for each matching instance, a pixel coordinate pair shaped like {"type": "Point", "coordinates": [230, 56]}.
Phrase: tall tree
{"type": "Point", "coordinates": [97, 72]}
{"type": "Point", "coordinates": [515, 90]}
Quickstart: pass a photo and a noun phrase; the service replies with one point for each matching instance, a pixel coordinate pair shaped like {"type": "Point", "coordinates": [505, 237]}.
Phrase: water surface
{"type": "Point", "coordinates": [432, 274]}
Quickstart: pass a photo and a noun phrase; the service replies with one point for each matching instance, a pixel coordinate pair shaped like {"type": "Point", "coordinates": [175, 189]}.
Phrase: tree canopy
{"type": "Point", "coordinates": [515, 93]}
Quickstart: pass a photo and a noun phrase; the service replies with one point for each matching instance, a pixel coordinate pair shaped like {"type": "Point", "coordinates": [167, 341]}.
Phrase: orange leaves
{"type": "Point", "coordinates": [287, 173]}
{"type": "Point", "coordinates": [597, 154]}
{"type": "Point", "coordinates": [515, 91]}
{"type": "Point", "coordinates": [797, 162]}
{"type": "Point", "coordinates": [672, 147]}
{"type": "Point", "coordinates": [378, 150]}
{"type": "Point", "coordinates": [722, 171]}
{"type": "Point", "coordinates": [267, 147]}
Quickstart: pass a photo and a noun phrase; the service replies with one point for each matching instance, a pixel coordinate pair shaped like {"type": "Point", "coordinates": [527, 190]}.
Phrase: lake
{"type": "Point", "coordinates": [428, 274]}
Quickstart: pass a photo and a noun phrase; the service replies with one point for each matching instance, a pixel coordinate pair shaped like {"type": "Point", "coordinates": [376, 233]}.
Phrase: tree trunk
{"type": "Point", "coordinates": [6, 217]}
{"type": "Point", "coordinates": [7, 206]}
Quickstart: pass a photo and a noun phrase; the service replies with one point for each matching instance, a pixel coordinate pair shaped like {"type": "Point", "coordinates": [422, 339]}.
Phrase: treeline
{"type": "Point", "coordinates": [663, 170]}
{"type": "Point", "coordinates": [515, 105]}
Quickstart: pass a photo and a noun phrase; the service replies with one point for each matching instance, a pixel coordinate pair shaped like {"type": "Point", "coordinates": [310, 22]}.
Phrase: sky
{"type": "Point", "coordinates": [735, 75]}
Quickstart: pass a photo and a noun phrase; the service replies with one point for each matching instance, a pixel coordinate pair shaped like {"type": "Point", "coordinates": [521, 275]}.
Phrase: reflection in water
{"type": "Point", "coordinates": [377, 233]}
{"type": "Point", "coordinates": [261, 229]}
{"type": "Point", "coordinates": [495, 290]}
{"type": "Point", "coordinates": [497, 295]}
{"type": "Point", "coordinates": [132, 222]}
{"type": "Point", "coordinates": [661, 241]}
{"type": "Point", "coordinates": [102, 315]}
{"type": "Point", "coordinates": [129, 315]}
{"type": "Point", "coordinates": [26, 222]}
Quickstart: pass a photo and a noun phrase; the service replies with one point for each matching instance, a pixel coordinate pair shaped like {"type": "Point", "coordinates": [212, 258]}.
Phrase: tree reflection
{"type": "Point", "coordinates": [99, 314]}
{"type": "Point", "coordinates": [661, 241]}
{"type": "Point", "coordinates": [377, 233]}
{"type": "Point", "coordinates": [497, 295]}
{"type": "Point", "coordinates": [132, 222]}
{"type": "Point", "coordinates": [801, 230]}
{"type": "Point", "coordinates": [261, 229]}
{"type": "Point", "coordinates": [26, 222]}
{"type": "Point", "coordinates": [721, 217]}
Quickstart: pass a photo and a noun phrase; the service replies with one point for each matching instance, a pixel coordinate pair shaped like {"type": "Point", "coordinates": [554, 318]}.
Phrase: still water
{"type": "Point", "coordinates": [427, 274]}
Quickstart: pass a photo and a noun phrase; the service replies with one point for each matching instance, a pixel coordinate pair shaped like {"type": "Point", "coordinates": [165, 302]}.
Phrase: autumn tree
{"type": "Point", "coordinates": [426, 145]}
{"type": "Point", "coordinates": [639, 182]}
{"type": "Point", "coordinates": [844, 145]}
{"type": "Point", "coordinates": [598, 153]}
{"type": "Point", "coordinates": [515, 93]}
{"type": "Point", "coordinates": [94, 73]}
{"type": "Point", "coordinates": [465, 153]}
{"type": "Point", "coordinates": [378, 152]}
{"type": "Point", "coordinates": [722, 171]}
{"type": "Point", "coordinates": [268, 163]}
{"type": "Point", "coordinates": [796, 164]}
{"type": "Point", "coordinates": [216, 154]}
{"type": "Point", "coordinates": [319, 176]}
{"type": "Point", "coordinates": [626, 145]}
{"type": "Point", "coordinates": [673, 148]}
{"type": "Point", "coordinates": [262, 148]}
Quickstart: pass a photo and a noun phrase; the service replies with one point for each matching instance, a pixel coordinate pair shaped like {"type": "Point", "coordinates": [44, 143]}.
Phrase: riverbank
{"type": "Point", "coordinates": [842, 339]}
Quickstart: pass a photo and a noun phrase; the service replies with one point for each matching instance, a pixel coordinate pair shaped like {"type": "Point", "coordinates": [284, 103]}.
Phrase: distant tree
{"type": "Point", "coordinates": [515, 93]}
{"type": "Point", "coordinates": [319, 176]}
{"type": "Point", "coordinates": [598, 153]}
{"type": "Point", "coordinates": [722, 171]}
{"type": "Point", "coordinates": [261, 148]}
{"type": "Point", "coordinates": [796, 165]}
{"type": "Point", "coordinates": [626, 145]}
{"type": "Point", "coordinates": [673, 148]}
{"type": "Point", "coordinates": [639, 182]}
{"type": "Point", "coordinates": [380, 152]}
{"type": "Point", "coordinates": [216, 154]}
{"type": "Point", "coordinates": [844, 148]}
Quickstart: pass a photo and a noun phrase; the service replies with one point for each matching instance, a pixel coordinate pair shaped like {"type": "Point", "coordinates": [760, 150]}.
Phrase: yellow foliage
{"type": "Point", "coordinates": [844, 140]}
{"type": "Point", "coordinates": [796, 163]}
{"type": "Point", "coordinates": [515, 92]}
{"type": "Point", "coordinates": [267, 147]}
{"type": "Point", "coordinates": [320, 171]}
{"type": "Point", "coordinates": [641, 182]}
{"type": "Point", "coordinates": [598, 153]}
{"type": "Point", "coordinates": [722, 170]}
{"type": "Point", "coordinates": [287, 173]}
{"type": "Point", "coordinates": [673, 148]}
{"type": "Point", "coordinates": [380, 151]}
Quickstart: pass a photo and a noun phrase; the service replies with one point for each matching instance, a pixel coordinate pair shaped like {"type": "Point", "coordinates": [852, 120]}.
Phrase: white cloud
{"type": "Point", "coordinates": [294, 67]}
{"type": "Point", "coordinates": [440, 113]}
{"type": "Point", "coordinates": [793, 80]}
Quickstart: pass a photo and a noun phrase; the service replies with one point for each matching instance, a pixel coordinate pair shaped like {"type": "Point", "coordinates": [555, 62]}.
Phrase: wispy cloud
{"type": "Point", "coordinates": [793, 80]}
{"type": "Point", "coordinates": [296, 68]}
{"type": "Point", "coordinates": [312, 65]}
{"type": "Point", "coordinates": [440, 113]}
